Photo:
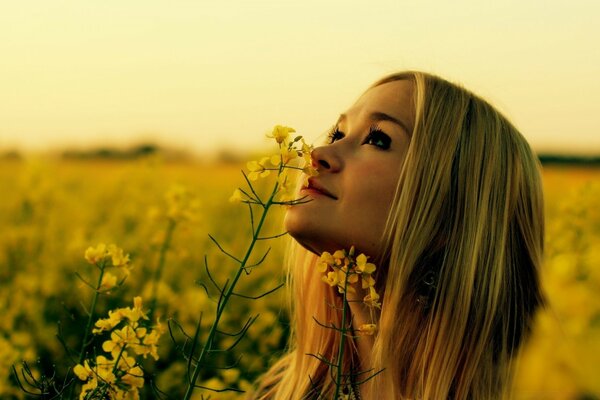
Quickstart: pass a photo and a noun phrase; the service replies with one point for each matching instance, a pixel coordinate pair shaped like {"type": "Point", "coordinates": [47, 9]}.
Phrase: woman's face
{"type": "Point", "coordinates": [358, 171]}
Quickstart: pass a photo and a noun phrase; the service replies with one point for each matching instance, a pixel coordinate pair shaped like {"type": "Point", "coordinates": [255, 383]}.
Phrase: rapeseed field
{"type": "Point", "coordinates": [153, 218]}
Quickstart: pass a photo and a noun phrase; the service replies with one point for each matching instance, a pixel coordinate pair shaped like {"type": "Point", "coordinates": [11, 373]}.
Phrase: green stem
{"type": "Point", "coordinates": [340, 357]}
{"type": "Point", "coordinates": [91, 316]}
{"type": "Point", "coordinates": [107, 385]}
{"type": "Point", "coordinates": [90, 321]}
{"type": "Point", "coordinates": [225, 298]}
{"type": "Point", "coordinates": [161, 263]}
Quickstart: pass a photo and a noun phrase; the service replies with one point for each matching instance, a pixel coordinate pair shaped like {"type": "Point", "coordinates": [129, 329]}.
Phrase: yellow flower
{"type": "Point", "coordinates": [134, 378]}
{"type": "Point", "coordinates": [327, 258]}
{"type": "Point", "coordinates": [236, 197]}
{"type": "Point", "coordinates": [106, 324]}
{"type": "Point", "coordinates": [109, 281]}
{"type": "Point", "coordinates": [150, 344]}
{"type": "Point", "coordinates": [286, 190]}
{"type": "Point", "coordinates": [280, 133]}
{"type": "Point", "coordinates": [116, 254]}
{"type": "Point", "coordinates": [367, 281]}
{"type": "Point", "coordinates": [135, 313]}
{"type": "Point", "coordinates": [119, 339]}
{"type": "Point", "coordinates": [306, 152]}
{"type": "Point", "coordinates": [363, 266]}
{"type": "Point", "coordinates": [331, 279]}
{"type": "Point", "coordinates": [83, 372]}
{"type": "Point", "coordinates": [322, 267]}
{"type": "Point", "coordinates": [258, 169]}
{"type": "Point", "coordinates": [96, 254]}
{"type": "Point", "coordinates": [367, 329]}
{"type": "Point", "coordinates": [339, 258]}
{"type": "Point", "coordinates": [88, 387]}
{"type": "Point", "coordinates": [310, 171]}
{"type": "Point", "coordinates": [372, 298]}
{"type": "Point", "coordinates": [104, 370]}
{"type": "Point", "coordinates": [344, 274]}
{"type": "Point", "coordinates": [288, 155]}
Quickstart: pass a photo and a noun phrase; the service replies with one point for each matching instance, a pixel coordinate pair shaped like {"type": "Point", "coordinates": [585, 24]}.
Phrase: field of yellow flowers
{"type": "Point", "coordinates": [160, 214]}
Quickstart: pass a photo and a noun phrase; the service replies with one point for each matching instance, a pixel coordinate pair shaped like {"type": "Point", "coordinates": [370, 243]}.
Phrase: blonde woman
{"type": "Point", "coordinates": [444, 195]}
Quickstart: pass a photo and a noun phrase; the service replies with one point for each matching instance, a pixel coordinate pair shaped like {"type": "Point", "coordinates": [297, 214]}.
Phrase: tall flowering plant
{"type": "Point", "coordinates": [348, 274]}
{"type": "Point", "coordinates": [293, 155]}
{"type": "Point", "coordinates": [113, 371]}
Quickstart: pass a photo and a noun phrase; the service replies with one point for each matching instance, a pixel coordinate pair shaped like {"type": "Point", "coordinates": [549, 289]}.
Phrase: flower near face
{"type": "Point", "coordinates": [343, 271]}
{"type": "Point", "coordinates": [280, 133]}
{"type": "Point", "coordinates": [341, 268]}
{"type": "Point", "coordinates": [363, 266]}
{"type": "Point", "coordinates": [372, 299]}
{"type": "Point", "coordinates": [258, 169]}
{"type": "Point", "coordinates": [286, 190]}
{"type": "Point", "coordinates": [288, 154]}
{"type": "Point", "coordinates": [331, 278]}
{"type": "Point", "coordinates": [347, 279]}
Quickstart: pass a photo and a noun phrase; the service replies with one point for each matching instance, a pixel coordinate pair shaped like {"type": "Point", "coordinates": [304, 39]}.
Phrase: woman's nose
{"type": "Point", "coordinates": [325, 158]}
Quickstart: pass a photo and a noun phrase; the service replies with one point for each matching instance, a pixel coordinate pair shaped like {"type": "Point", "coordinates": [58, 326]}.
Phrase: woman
{"type": "Point", "coordinates": [444, 195]}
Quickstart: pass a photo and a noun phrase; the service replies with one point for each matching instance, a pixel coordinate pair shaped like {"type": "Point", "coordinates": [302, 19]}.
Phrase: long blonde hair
{"type": "Point", "coordinates": [459, 270]}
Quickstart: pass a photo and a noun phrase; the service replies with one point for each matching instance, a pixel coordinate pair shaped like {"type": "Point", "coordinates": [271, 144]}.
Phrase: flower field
{"type": "Point", "coordinates": [160, 214]}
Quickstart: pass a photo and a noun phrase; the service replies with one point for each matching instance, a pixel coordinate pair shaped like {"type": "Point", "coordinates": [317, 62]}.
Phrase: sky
{"type": "Point", "coordinates": [211, 75]}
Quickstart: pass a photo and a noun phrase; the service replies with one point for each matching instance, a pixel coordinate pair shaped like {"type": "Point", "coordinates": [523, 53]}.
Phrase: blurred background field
{"type": "Point", "coordinates": [81, 81]}
{"type": "Point", "coordinates": [52, 210]}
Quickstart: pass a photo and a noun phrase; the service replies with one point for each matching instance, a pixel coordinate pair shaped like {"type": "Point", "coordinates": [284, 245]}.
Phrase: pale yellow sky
{"type": "Point", "coordinates": [203, 75]}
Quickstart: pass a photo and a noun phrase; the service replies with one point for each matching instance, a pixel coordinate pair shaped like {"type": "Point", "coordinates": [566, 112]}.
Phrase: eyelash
{"type": "Point", "coordinates": [374, 133]}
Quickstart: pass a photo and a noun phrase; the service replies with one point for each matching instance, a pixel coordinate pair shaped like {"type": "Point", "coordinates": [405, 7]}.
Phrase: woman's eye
{"type": "Point", "coordinates": [378, 138]}
{"type": "Point", "coordinates": [334, 135]}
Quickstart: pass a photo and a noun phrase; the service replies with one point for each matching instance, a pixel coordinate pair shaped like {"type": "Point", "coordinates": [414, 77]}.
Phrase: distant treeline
{"type": "Point", "coordinates": [563, 159]}
{"type": "Point", "coordinates": [109, 153]}
{"type": "Point", "coordinates": [148, 149]}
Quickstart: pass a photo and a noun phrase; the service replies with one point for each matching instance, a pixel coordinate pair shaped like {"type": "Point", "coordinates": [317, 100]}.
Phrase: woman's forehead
{"type": "Point", "coordinates": [391, 98]}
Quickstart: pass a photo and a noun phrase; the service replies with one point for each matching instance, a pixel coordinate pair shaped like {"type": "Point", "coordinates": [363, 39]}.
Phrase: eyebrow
{"type": "Point", "coordinates": [380, 116]}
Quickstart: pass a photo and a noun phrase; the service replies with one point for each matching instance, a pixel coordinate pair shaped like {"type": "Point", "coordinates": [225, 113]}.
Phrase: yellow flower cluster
{"type": "Point", "coordinates": [100, 255]}
{"type": "Point", "coordinates": [293, 154]}
{"type": "Point", "coordinates": [120, 377]}
{"type": "Point", "coordinates": [132, 335]}
{"type": "Point", "coordinates": [342, 270]}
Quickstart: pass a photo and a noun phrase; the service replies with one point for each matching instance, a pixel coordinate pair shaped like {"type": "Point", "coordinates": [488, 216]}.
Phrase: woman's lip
{"type": "Point", "coordinates": [314, 187]}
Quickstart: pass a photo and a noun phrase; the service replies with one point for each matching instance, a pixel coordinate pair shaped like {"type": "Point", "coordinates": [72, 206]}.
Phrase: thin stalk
{"type": "Point", "coordinates": [91, 313]}
{"type": "Point", "coordinates": [161, 264]}
{"type": "Point", "coordinates": [340, 357]}
{"type": "Point", "coordinates": [225, 298]}
{"type": "Point", "coordinates": [90, 321]}
{"type": "Point", "coordinates": [107, 385]}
